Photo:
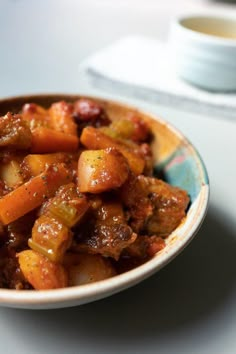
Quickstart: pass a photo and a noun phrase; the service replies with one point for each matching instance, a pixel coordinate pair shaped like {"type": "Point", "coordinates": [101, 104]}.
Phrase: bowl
{"type": "Point", "coordinates": [177, 159]}
{"type": "Point", "coordinates": [204, 51]}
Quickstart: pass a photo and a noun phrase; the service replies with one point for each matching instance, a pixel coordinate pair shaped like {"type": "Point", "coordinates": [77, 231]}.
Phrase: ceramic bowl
{"type": "Point", "coordinates": [203, 49]}
{"type": "Point", "coordinates": [180, 163]}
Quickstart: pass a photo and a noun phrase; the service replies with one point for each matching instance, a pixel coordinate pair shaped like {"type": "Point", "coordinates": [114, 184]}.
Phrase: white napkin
{"type": "Point", "coordinates": [142, 67]}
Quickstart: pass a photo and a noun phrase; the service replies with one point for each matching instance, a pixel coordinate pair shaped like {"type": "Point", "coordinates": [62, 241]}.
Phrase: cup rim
{"type": "Point", "coordinates": [214, 39]}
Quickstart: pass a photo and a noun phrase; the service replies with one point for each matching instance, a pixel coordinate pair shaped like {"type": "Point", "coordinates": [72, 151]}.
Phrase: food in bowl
{"type": "Point", "coordinates": [80, 198]}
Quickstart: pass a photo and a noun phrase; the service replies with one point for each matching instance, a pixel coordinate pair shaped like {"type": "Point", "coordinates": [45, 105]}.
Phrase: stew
{"type": "Point", "coordinates": [78, 198]}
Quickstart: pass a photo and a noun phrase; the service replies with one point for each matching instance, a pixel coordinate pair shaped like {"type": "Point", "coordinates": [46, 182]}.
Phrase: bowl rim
{"type": "Point", "coordinates": [208, 38]}
{"type": "Point", "coordinates": [94, 291]}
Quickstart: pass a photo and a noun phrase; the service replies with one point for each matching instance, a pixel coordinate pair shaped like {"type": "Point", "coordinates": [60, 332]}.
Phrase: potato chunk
{"type": "Point", "coordinates": [101, 170]}
{"type": "Point", "coordinates": [95, 139]}
{"type": "Point", "coordinates": [11, 174]}
{"type": "Point", "coordinates": [34, 164]}
{"type": "Point", "coordinates": [87, 268]}
{"type": "Point", "coordinates": [40, 272]}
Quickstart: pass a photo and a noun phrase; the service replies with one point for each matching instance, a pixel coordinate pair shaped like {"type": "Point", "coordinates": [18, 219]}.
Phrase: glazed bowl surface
{"type": "Point", "coordinates": [176, 159]}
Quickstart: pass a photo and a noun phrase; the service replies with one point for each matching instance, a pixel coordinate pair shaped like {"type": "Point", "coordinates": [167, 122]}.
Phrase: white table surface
{"type": "Point", "coordinates": [190, 305]}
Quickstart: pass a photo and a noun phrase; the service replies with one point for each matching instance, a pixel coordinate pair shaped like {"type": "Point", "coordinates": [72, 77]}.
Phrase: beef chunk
{"type": "Point", "coordinates": [106, 232]}
{"type": "Point", "coordinates": [14, 132]}
{"type": "Point", "coordinates": [88, 112]}
{"type": "Point", "coordinates": [154, 207]}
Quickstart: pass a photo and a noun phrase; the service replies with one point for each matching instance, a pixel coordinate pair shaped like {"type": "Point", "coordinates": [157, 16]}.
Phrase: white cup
{"type": "Point", "coordinates": [203, 51]}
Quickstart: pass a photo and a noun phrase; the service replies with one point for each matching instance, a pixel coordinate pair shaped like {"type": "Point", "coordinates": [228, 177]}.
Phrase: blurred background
{"type": "Point", "coordinates": [43, 42]}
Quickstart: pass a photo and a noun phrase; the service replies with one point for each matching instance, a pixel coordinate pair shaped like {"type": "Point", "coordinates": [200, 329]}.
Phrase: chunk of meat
{"type": "Point", "coordinates": [11, 276]}
{"type": "Point", "coordinates": [19, 231]}
{"type": "Point", "coordinates": [107, 233]}
{"type": "Point", "coordinates": [144, 247]}
{"type": "Point", "coordinates": [154, 206]}
{"type": "Point", "coordinates": [170, 205]}
{"type": "Point", "coordinates": [155, 244]}
{"type": "Point", "coordinates": [14, 132]}
{"type": "Point", "coordinates": [134, 195]}
{"type": "Point", "coordinates": [108, 241]}
{"type": "Point", "coordinates": [139, 252]}
{"type": "Point", "coordinates": [88, 112]}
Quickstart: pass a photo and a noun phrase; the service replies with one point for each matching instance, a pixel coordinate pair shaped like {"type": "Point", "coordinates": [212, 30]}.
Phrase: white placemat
{"type": "Point", "coordinates": [143, 67]}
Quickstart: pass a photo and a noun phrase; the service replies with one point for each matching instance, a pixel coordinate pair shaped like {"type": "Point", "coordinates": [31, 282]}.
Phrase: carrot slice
{"type": "Point", "coordinates": [47, 140]}
{"type": "Point", "coordinates": [33, 193]}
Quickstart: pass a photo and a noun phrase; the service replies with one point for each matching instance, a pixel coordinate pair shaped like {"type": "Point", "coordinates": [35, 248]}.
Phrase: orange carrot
{"type": "Point", "coordinates": [45, 140]}
{"type": "Point", "coordinates": [33, 193]}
